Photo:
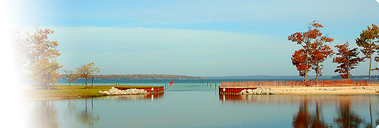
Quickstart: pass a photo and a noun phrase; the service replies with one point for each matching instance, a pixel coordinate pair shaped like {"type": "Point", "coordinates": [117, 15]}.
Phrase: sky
{"type": "Point", "coordinates": [191, 37]}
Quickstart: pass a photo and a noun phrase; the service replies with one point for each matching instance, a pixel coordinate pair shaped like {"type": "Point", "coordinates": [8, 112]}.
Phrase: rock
{"type": "Point", "coordinates": [115, 91]}
{"type": "Point", "coordinates": [259, 91]}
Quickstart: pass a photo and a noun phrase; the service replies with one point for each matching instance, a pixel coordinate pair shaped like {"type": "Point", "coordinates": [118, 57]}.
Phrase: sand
{"type": "Point", "coordinates": [351, 90]}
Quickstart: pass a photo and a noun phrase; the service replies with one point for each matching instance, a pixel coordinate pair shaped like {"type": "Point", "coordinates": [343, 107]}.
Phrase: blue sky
{"type": "Point", "coordinates": [196, 37]}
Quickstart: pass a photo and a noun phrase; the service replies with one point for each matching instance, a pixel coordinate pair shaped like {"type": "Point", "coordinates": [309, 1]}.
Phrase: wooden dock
{"type": "Point", "coordinates": [233, 90]}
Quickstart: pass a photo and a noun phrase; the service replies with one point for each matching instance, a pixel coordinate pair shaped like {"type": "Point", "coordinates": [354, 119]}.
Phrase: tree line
{"type": "Point", "coordinates": [38, 55]}
{"type": "Point", "coordinates": [314, 51]}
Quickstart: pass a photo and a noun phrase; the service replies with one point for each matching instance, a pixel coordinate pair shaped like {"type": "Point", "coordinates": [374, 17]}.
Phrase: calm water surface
{"type": "Point", "coordinates": [198, 105]}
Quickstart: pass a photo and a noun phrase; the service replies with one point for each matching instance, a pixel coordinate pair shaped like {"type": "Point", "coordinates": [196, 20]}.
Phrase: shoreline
{"type": "Point", "coordinates": [350, 90]}
{"type": "Point", "coordinates": [78, 92]}
{"type": "Point", "coordinates": [347, 90]}
{"type": "Point", "coordinates": [59, 92]}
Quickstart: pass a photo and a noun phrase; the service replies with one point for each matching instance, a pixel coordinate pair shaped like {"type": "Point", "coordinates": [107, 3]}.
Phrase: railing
{"type": "Point", "coordinates": [319, 83]}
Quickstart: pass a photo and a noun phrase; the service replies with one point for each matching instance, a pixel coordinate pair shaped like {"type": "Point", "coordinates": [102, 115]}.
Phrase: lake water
{"type": "Point", "coordinates": [196, 104]}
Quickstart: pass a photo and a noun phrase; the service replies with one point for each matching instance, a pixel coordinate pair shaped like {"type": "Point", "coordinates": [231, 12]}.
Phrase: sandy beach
{"type": "Point", "coordinates": [350, 90]}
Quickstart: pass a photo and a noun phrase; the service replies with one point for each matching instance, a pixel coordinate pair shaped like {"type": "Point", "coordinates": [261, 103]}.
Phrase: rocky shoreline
{"type": "Point", "coordinates": [115, 91]}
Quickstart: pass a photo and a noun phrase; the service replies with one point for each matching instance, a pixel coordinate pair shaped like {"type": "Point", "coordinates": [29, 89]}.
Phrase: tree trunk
{"type": "Point", "coordinates": [317, 72]}
{"type": "Point", "coordinates": [348, 70]}
{"type": "Point", "coordinates": [369, 72]}
{"type": "Point", "coordinates": [306, 63]}
{"type": "Point", "coordinates": [348, 73]}
{"type": "Point", "coordinates": [86, 85]}
{"type": "Point", "coordinates": [92, 81]}
{"type": "Point", "coordinates": [48, 80]}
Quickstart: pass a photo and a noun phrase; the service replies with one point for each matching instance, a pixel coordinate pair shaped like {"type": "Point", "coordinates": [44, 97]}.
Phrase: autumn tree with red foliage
{"type": "Point", "coordinates": [348, 60]}
{"type": "Point", "coordinates": [298, 59]}
{"type": "Point", "coordinates": [320, 52]}
{"type": "Point", "coordinates": [314, 50]}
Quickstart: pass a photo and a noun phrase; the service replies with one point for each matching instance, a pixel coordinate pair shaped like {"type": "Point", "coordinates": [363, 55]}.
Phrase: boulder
{"type": "Point", "coordinates": [115, 91]}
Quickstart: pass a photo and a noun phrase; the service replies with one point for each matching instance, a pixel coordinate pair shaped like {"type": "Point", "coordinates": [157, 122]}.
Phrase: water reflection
{"type": "Point", "coordinates": [44, 115]}
{"type": "Point", "coordinates": [348, 109]}
{"type": "Point", "coordinates": [346, 117]}
{"type": "Point", "coordinates": [140, 97]}
{"type": "Point", "coordinates": [207, 109]}
{"type": "Point", "coordinates": [303, 118]}
{"type": "Point", "coordinates": [88, 118]}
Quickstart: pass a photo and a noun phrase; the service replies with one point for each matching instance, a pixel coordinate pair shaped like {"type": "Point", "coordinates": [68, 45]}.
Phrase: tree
{"type": "Point", "coordinates": [44, 72]}
{"type": "Point", "coordinates": [298, 59]}
{"type": "Point", "coordinates": [20, 49]}
{"type": "Point", "coordinates": [320, 53]}
{"type": "Point", "coordinates": [70, 76]}
{"type": "Point", "coordinates": [40, 48]}
{"type": "Point", "coordinates": [369, 40]}
{"type": "Point", "coordinates": [348, 60]}
{"type": "Point", "coordinates": [40, 54]}
{"type": "Point", "coordinates": [86, 71]}
{"type": "Point", "coordinates": [310, 41]}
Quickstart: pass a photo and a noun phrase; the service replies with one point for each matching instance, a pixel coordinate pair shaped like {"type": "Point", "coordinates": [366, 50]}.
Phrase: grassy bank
{"type": "Point", "coordinates": [66, 92]}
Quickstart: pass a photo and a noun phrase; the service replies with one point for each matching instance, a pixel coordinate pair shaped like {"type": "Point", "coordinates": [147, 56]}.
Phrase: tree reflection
{"type": "Point", "coordinates": [346, 118]}
{"type": "Point", "coordinates": [303, 118]}
{"type": "Point", "coordinates": [369, 125]}
{"type": "Point", "coordinates": [71, 107]}
{"type": "Point", "coordinates": [44, 115]}
{"type": "Point", "coordinates": [87, 118]}
{"type": "Point", "coordinates": [317, 122]}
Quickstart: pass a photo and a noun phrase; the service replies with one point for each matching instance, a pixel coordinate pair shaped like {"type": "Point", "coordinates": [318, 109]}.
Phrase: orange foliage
{"type": "Point", "coordinates": [40, 54]}
{"type": "Point", "coordinates": [348, 60]}
{"type": "Point", "coordinates": [39, 47]}
{"type": "Point", "coordinates": [314, 50]}
{"type": "Point", "coordinates": [298, 59]}
{"type": "Point", "coordinates": [85, 71]}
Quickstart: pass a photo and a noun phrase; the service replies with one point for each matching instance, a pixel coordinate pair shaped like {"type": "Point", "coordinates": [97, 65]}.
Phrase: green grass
{"type": "Point", "coordinates": [64, 91]}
